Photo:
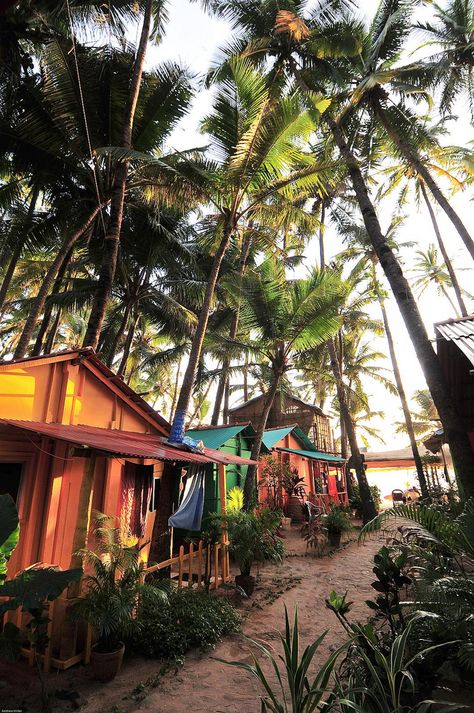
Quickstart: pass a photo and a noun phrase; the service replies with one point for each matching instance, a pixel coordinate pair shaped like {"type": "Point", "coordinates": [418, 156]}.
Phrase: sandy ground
{"type": "Point", "coordinates": [204, 685]}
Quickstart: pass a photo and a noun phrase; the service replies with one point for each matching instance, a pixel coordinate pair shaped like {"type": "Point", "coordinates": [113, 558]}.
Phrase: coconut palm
{"type": "Point", "coordinates": [287, 39]}
{"type": "Point", "coordinates": [51, 132]}
{"type": "Point", "coordinates": [450, 35]}
{"type": "Point", "coordinates": [429, 272]}
{"type": "Point", "coordinates": [401, 177]}
{"type": "Point", "coordinates": [284, 318]}
{"type": "Point", "coordinates": [257, 141]}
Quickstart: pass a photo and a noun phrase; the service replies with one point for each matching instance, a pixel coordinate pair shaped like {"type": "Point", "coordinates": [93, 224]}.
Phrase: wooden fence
{"type": "Point", "coordinates": [202, 565]}
{"type": "Point", "coordinates": [199, 566]}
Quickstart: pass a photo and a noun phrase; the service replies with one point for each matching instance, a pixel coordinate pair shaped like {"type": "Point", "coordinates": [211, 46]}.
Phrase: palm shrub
{"type": "Point", "coordinates": [295, 691]}
{"type": "Point", "coordinates": [439, 549]}
{"type": "Point", "coordinates": [253, 539]}
{"type": "Point", "coordinates": [114, 588]}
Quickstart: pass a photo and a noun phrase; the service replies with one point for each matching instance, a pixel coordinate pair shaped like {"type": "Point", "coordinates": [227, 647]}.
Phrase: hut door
{"type": "Point", "coordinates": [10, 477]}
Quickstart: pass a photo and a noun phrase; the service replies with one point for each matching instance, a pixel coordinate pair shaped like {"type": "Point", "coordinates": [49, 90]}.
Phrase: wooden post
{"type": "Point", "coordinates": [48, 654]}
{"type": "Point", "coordinates": [223, 503]}
{"type": "Point", "coordinates": [216, 565]}
{"type": "Point", "coordinates": [88, 645]}
{"type": "Point", "coordinates": [83, 520]}
{"type": "Point", "coordinates": [199, 582]}
{"type": "Point", "coordinates": [190, 573]}
{"type": "Point", "coordinates": [180, 567]}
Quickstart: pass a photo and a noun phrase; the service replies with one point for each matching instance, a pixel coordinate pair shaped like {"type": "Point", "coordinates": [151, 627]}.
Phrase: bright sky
{"type": "Point", "coordinates": [192, 38]}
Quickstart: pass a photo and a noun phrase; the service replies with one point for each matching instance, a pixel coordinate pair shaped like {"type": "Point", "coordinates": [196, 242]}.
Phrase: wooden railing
{"type": "Point", "coordinates": [203, 565]}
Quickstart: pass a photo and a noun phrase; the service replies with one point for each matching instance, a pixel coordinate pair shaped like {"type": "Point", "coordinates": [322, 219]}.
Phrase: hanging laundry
{"type": "Point", "coordinates": [189, 514]}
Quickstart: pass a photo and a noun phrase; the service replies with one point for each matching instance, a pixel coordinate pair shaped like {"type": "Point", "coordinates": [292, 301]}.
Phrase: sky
{"type": "Point", "coordinates": [193, 38]}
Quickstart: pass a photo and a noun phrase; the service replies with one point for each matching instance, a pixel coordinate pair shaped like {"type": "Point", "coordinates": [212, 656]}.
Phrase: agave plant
{"type": "Point", "coordinates": [294, 691]}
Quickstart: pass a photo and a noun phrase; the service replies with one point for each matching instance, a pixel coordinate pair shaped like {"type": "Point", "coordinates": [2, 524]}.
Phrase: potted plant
{"type": "Point", "coordinates": [294, 487]}
{"type": "Point", "coordinates": [112, 592]}
{"type": "Point", "coordinates": [336, 522]}
{"type": "Point", "coordinates": [252, 539]}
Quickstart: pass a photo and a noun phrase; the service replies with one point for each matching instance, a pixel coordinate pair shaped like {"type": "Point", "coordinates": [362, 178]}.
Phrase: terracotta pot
{"type": "Point", "coordinates": [106, 666]}
{"type": "Point", "coordinates": [294, 508]}
{"type": "Point", "coordinates": [334, 539]}
{"type": "Point", "coordinates": [245, 582]}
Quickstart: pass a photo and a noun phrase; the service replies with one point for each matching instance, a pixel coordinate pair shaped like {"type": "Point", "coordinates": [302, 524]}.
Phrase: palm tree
{"type": "Point", "coordinates": [451, 66]}
{"type": "Point", "coordinates": [257, 139]}
{"type": "Point", "coordinates": [117, 200]}
{"type": "Point", "coordinates": [430, 272]}
{"type": "Point", "coordinates": [284, 318]}
{"type": "Point", "coordinates": [424, 415]}
{"type": "Point", "coordinates": [360, 248]}
{"type": "Point", "coordinates": [401, 176]}
{"type": "Point", "coordinates": [302, 47]}
{"type": "Point", "coordinates": [51, 132]}
{"type": "Point", "coordinates": [380, 81]}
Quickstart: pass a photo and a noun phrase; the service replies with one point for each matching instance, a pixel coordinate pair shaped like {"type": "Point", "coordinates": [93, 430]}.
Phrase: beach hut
{"type": "Point", "coordinates": [234, 440]}
{"type": "Point", "coordinates": [74, 438]}
{"type": "Point", "coordinates": [323, 473]}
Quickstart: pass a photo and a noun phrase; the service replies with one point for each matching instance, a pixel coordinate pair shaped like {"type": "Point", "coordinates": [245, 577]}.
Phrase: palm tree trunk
{"type": "Point", "coordinates": [112, 239]}
{"type": "Point", "coordinates": [175, 391]}
{"type": "Point", "coordinates": [456, 435]}
{"type": "Point", "coordinates": [40, 299]}
{"type": "Point", "coordinates": [322, 228]}
{"type": "Point", "coordinates": [118, 335]}
{"type": "Point", "coordinates": [49, 343]}
{"type": "Point", "coordinates": [404, 401]}
{"type": "Point", "coordinates": [225, 413]}
{"type": "Point", "coordinates": [179, 419]}
{"type": "Point", "coordinates": [246, 377]}
{"type": "Point", "coordinates": [448, 263]}
{"type": "Point", "coordinates": [10, 271]}
{"type": "Point", "coordinates": [127, 346]}
{"type": "Point", "coordinates": [368, 506]}
{"type": "Point", "coordinates": [449, 299]}
{"type": "Point", "coordinates": [251, 477]}
{"type": "Point", "coordinates": [224, 377]}
{"type": "Point", "coordinates": [49, 308]}
{"type": "Point", "coordinates": [416, 163]}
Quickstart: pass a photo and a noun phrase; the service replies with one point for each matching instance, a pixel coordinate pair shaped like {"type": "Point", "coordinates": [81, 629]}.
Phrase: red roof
{"type": "Point", "coordinates": [88, 357]}
{"type": "Point", "coordinates": [125, 443]}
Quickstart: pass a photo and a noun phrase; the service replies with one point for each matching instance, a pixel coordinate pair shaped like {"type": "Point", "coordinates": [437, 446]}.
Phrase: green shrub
{"type": "Point", "coordinates": [355, 500]}
{"type": "Point", "coordinates": [337, 521]}
{"type": "Point", "coordinates": [191, 620]}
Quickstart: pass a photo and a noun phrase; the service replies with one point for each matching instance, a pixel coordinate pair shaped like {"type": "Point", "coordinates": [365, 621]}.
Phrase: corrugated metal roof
{"type": "Point", "coordinates": [276, 434]}
{"type": "Point", "coordinates": [461, 332]}
{"type": "Point", "coordinates": [315, 455]}
{"type": "Point", "coordinates": [215, 437]}
{"type": "Point", "coordinates": [126, 443]}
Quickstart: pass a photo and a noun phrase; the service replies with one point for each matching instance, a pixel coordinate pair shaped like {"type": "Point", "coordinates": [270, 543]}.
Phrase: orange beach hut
{"type": "Point", "coordinates": [74, 438]}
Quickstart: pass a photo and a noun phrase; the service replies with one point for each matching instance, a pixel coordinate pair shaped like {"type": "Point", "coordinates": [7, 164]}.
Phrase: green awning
{"type": "Point", "coordinates": [315, 455]}
{"type": "Point", "coordinates": [215, 437]}
{"type": "Point", "coordinates": [276, 434]}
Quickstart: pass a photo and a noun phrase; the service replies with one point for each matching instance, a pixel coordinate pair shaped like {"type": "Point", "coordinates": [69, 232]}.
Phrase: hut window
{"type": "Point", "coordinates": [10, 476]}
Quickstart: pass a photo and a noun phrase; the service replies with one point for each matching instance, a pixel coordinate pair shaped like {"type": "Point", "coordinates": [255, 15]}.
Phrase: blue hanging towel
{"type": "Point", "coordinates": [189, 514]}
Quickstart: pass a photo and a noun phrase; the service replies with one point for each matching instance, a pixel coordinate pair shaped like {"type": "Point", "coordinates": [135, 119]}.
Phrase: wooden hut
{"type": "Point", "coordinates": [235, 440]}
{"type": "Point", "coordinates": [74, 438]}
{"type": "Point", "coordinates": [289, 409]}
{"type": "Point", "coordinates": [455, 347]}
{"type": "Point", "coordinates": [323, 473]}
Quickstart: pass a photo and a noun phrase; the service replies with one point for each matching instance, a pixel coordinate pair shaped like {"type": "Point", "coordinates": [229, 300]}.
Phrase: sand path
{"type": "Point", "coordinates": [204, 685]}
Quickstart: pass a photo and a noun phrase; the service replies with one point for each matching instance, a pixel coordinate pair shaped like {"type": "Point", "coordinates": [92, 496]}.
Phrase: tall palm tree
{"type": "Point", "coordinates": [401, 177]}
{"type": "Point", "coordinates": [257, 139]}
{"type": "Point", "coordinates": [382, 87]}
{"type": "Point", "coordinates": [451, 66]}
{"type": "Point", "coordinates": [360, 248]}
{"type": "Point", "coordinates": [299, 45]}
{"type": "Point", "coordinates": [284, 318]}
{"type": "Point", "coordinates": [428, 271]}
{"type": "Point", "coordinates": [51, 132]}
